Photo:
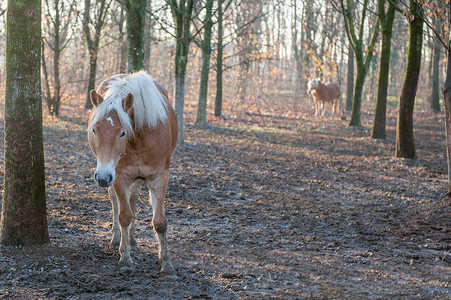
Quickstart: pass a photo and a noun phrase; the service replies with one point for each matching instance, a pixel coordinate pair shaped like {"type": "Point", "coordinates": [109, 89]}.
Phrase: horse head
{"type": "Point", "coordinates": [312, 84]}
{"type": "Point", "coordinates": [108, 137]}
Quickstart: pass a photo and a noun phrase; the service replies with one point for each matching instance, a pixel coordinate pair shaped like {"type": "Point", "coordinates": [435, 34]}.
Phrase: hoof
{"type": "Point", "coordinates": [115, 241]}
{"type": "Point", "coordinates": [126, 264]}
{"type": "Point", "coordinates": [113, 245]}
{"type": "Point", "coordinates": [167, 269]}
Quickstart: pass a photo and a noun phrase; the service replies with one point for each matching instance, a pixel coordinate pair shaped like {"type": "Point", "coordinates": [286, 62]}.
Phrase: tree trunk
{"type": "Point", "coordinates": [147, 36]}
{"type": "Point", "coordinates": [206, 53]}
{"type": "Point", "coordinates": [23, 220]}
{"type": "Point", "coordinates": [386, 22]}
{"type": "Point", "coordinates": [45, 73]}
{"type": "Point", "coordinates": [350, 81]}
{"type": "Point", "coordinates": [93, 43]}
{"type": "Point", "coordinates": [405, 144]}
{"type": "Point", "coordinates": [122, 63]}
{"type": "Point", "coordinates": [219, 63]}
{"type": "Point", "coordinates": [447, 99]}
{"type": "Point", "coordinates": [356, 42]}
{"type": "Point", "coordinates": [136, 10]}
{"type": "Point", "coordinates": [358, 90]}
{"type": "Point", "coordinates": [182, 16]}
{"type": "Point", "coordinates": [54, 102]}
{"type": "Point", "coordinates": [92, 77]}
{"type": "Point", "coordinates": [435, 93]}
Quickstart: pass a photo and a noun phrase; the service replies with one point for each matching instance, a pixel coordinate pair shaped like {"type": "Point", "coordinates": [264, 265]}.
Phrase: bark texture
{"type": "Point", "coordinates": [386, 22]}
{"type": "Point", "coordinates": [219, 62]}
{"type": "Point", "coordinates": [405, 143]}
{"type": "Point", "coordinates": [201, 118]}
{"type": "Point", "coordinates": [24, 219]}
{"type": "Point", "coordinates": [182, 13]}
{"type": "Point", "coordinates": [136, 11]}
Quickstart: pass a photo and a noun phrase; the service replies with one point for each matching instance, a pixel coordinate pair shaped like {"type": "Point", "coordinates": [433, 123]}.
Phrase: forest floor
{"type": "Point", "coordinates": [259, 207]}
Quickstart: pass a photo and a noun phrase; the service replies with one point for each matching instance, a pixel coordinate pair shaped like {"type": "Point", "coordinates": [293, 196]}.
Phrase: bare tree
{"type": "Point", "coordinates": [434, 99]}
{"type": "Point", "coordinates": [182, 13]}
{"type": "Point", "coordinates": [405, 144]}
{"type": "Point", "coordinates": [386, 21]}
{"type": "Point", "coordinates": [136, 12]}
{"type": "Point", "coordinates": [357, 42]}
{"type": "Point", "coordinates": [205, 45]}
{"type": "Point", "coordinates": [92, 28]}
{"type": "Point", "coordinates": [59, 17]}
{"type": "Point", "coordinates": [24, 215]}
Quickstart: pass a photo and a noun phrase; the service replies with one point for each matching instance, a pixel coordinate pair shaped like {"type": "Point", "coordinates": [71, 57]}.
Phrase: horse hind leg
{"type": "Point", "coordinates": [157, 190]}
{"type": "Point", "coordinates": [316, 107]}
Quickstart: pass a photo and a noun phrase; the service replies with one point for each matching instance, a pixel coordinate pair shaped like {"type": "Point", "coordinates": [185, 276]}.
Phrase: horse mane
{"type": "Point", "coordinates": [313, 83]}
{"type": "Point", "coordinates": [149, 106]}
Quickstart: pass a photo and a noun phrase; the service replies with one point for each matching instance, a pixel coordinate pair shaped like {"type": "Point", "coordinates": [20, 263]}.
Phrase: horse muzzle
{"type": "Point", "coordinates": [104, 175]}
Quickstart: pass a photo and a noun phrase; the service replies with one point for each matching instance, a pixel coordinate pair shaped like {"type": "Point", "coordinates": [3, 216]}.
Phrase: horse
{"type": "Point", "coordinates": [322, 93]}
{"type": "Point", "coordinates": [132, 131]}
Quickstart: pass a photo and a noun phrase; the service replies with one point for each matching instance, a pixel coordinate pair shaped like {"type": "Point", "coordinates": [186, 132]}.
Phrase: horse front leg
{"type": "Point", "coordinates": [135, 188]}
{"type": "Point", "coordinates": [115, 231]}
{"type": "Point", "coordinates": [157, 188]}
{"type": "Point", "coordinates": [125, 218]}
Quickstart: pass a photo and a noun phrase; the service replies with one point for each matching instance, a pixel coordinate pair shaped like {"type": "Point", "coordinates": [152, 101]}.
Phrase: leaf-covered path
{"type": "Point", "coordinates": [261, 207]}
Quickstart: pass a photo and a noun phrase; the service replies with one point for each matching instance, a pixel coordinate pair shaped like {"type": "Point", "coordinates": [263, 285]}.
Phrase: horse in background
{"type": "Point", "coordinates": [132, 131]}
{"type": "Point", "coordinates": [322, 94]}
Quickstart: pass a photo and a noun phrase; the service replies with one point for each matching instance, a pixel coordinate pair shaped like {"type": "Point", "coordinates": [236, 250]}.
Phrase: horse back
{"type": "Point", "coordinates": [334, 90]}
{"type": "Point", "coordinates": [172, 118]}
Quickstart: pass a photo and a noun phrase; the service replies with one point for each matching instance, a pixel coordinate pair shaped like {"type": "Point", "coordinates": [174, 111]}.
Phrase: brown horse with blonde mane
{"type": "Point", "coordinates": [322, 94]}
{"type": "Point", "coordinates": [132, 131]}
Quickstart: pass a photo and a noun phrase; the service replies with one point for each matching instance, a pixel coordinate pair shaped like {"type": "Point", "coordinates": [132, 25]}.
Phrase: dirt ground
{"type": "Point", "coordinates": [259, 207]}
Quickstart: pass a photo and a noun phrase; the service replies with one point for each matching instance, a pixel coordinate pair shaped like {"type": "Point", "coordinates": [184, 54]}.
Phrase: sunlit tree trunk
{"type": "Point", "coordinates": [122, 50]}
{"type": "Point", "coordinates": [136, 10]}
{"type": "Point", "coordinates": [447, 100]}
{"type": "Point", "coordinates": [206, 53]}
{"type": "Point", "coordinates": [59, 15]}
{"type": "Point", "coordinates": [297, 47]}
{"type": "Point", "coordinates": [148, 37]}
{"type": "Point", "coordinates": [356, 40]}
{"type": "Point", "coordinates": [350, 81]}
{"type": "Point", "coordinates": [93, 41]}
{"type": "Point", "coordinates": [219, 62]}
{"type": "Point", "coordinates": [24, 219]}
{"type": "Point", "coordinates": [182, 13]}
{"type": "Point", "coordinates": [386, 22]}
{"type": "Point", "coordinates": [54, 106]}
{"type": "Point", "coordinates": [405, 144]}
{"type": "Point", "coordinates": [435, 93]}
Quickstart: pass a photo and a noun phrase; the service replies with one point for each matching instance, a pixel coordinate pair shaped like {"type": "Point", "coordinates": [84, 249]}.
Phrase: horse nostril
{"type": "Point", "coordinates": [96, 177]}
{"type": "Point", "coordinates": [110, 178]}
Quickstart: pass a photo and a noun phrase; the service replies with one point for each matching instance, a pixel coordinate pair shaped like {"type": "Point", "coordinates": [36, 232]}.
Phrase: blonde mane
{"type": "Point", "coordinates": [149, 106]}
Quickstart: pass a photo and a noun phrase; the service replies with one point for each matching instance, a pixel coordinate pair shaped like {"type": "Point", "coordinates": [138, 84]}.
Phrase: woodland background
{"type": "Point", "coordinates": [267, 201]}
{"type": "Point", "coordinates": [271, 48]}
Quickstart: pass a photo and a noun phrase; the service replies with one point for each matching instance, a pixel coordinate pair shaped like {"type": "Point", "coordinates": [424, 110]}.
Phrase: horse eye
{"type": "Point", "coordinates": [94, 131]}
{"type": "Point", "coordinates": [123, 134]}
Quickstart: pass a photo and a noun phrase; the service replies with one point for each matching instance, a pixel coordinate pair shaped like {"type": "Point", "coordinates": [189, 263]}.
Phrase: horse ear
{"type": "Point", "coordinates": [127, 103]}
{"type": "Point", "coordinates": [96, 99]}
